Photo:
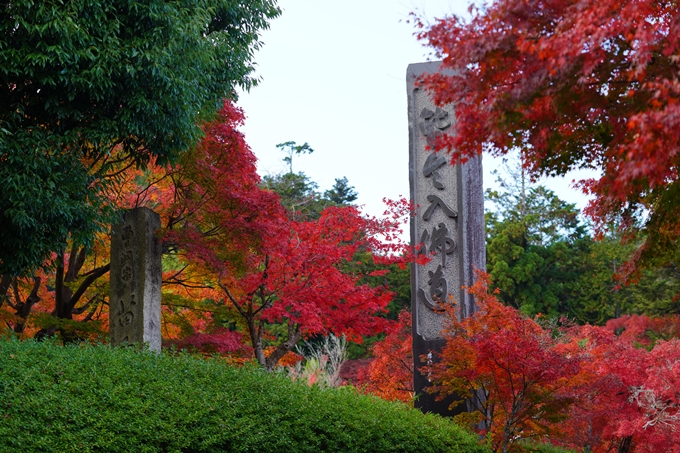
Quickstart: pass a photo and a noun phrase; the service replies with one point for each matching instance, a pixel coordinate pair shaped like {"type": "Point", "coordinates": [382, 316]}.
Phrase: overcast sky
{"type": "Point", "coordinates": [334, 75]}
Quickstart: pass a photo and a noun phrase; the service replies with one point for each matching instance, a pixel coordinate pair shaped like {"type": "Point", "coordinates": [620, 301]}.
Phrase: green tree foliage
{"type": "Point", "coordinates": [135, 73]}
{"type": "Point", "coordinates": [533, 240]}
{"type": "Point", "coordinates": [658, 292]}
{"type": "Point", "coordinates": [299, 194]}
{"type": "Point", "coordinates": [543, 259]}
{"type": "Point", "coordinates": [546, 218]}
{"type": "Point", "coordinates": [45, 198]}
{"type": "Point", "coordinates": [80, 78]}
{"type": "Point", "coordinates": [341, 192]}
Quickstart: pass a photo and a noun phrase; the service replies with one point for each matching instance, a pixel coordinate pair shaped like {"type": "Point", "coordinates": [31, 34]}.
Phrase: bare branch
{"type": "Point", "coordinates": [94, 275]}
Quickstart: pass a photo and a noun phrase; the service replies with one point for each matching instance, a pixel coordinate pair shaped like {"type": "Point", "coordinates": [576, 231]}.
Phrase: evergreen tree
{"type": "Point", "coordinates": [543, 259]}
{"type": "Point", "coordinates": [341, 193]}
{"type": "Point", "coordinates": [299, 194]}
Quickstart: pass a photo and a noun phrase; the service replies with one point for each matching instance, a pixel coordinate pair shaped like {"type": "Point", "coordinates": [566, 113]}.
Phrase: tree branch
{"type": "Point", "coordinates": [94, 275]}
{"type": "Point", "coordinates": [231, 298]}
{"type": "Point", "coordinates": [294, 335]}
{"type": "Point", "coordinates": [81, 309]}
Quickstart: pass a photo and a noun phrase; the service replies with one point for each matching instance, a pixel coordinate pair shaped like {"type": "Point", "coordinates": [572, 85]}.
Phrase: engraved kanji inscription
{"type": "Point", "coordinates": [136, 276]}
{"type": "Point", "coordinates": [431, 169]}
{"type": "Point", "coordinates": [125, 313]}
{"type": "Point", "coordinates": [435, 201]}
{"type": "Point", "coordinates": [439, 242]}
{"type": "Point", "coordinates": [126, 265]}
{"type": "Point", "coordinates": [126, 273]}
{"type": "Point", "coordinates": [439, 290]}
{"type": "Point", "coordinates": [433, 123]}
{"type": "Point", "coordinates": [127, 236]}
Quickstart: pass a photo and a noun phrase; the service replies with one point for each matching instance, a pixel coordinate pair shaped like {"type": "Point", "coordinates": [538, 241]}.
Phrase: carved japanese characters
{"type": "Point", "coordinates": [448, 226]}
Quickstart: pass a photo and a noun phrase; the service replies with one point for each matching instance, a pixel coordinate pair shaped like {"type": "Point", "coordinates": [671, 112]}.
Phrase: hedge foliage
{"type": "Point", "coordinates": [100, 399]}
{"type": "Point", "coordinates": [533, 447]}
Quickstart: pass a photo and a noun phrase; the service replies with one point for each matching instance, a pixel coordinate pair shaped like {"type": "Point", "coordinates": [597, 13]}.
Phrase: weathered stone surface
{"type": "Point", "coordinates": [449, 223]}
{"type": "Point", "coordinates": [135, 294]}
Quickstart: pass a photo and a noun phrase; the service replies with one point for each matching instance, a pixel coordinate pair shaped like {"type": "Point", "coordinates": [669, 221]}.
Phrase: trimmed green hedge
{"type": "Point", "coordinates": [544, 448]}
{"type": "Point", "coordinates": [99, 399]}
{"type": "Point", "coordinates": [532, 447]}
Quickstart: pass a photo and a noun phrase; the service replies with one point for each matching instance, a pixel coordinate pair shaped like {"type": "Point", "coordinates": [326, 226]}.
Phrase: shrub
{"type": "Point", "coordinates": [538, 447]}
{"type": "Point", "coordinates": [102, 399]}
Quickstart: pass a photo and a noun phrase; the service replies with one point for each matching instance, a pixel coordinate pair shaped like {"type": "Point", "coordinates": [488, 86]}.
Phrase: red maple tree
{"type": "Point", "coordinates": [581, 387]}
{"type": "Point", "coordinates": [511, 364]}
{"type": "Point", "coordinates": [284, 279]}
{"type": "Point", "coordinates": [626, 396]}
{"type": "Point", "coordinates": [588, 84]}
{"type": "Point", "coordinates": [390, 373]}
{"type": "Point", "coordinates": [645, 330]}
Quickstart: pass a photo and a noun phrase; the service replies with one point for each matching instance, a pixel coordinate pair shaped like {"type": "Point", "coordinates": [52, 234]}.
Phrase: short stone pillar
{"type": "Point", "coordinates": [136, 275]}
{"type": "Point", "coordinates": [448, 222]}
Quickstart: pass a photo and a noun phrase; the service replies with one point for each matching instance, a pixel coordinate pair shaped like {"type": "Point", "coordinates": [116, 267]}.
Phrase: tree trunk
{"type": "Point", "coordinates": [626, 443]}
{"type": "Point", "coordinates": [65, 298]}
{"type": "Point", "coordinates": [61, 292]}
{"type": "Point", "coordinates": [62, 296]}
{"type": "Point", "coordinates": [294, 336]}
{"type": "Point", "coordinates": [24, 308]}
{"type": "Point", "coordinates": [256, 341]}
{"type": "Point", "coordinates": [5, 282]}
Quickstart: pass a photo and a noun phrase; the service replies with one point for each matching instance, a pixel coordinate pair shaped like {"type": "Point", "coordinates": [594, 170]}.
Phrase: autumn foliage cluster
{"type": "Point", "coordinates": [602, 389]}
{"type": "Point", "coordinates": [588, 84]}
{"type": "Point", "coordinates": [242, 275]}
{"type": "Point", "coordinates": [390, 374]}
{"type": "Point", "coordinates": [591, 84]}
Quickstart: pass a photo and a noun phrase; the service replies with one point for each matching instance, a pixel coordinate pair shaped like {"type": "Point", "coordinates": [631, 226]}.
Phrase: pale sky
{"type": "Point", "coordinates": [334, 75]}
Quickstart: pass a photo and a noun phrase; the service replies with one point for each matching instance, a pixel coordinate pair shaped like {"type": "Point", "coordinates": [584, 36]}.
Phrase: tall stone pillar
{"type": "Point", "coordinates": [449, 223]}
{"type": "Point", "coordinates": [135, 294]}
